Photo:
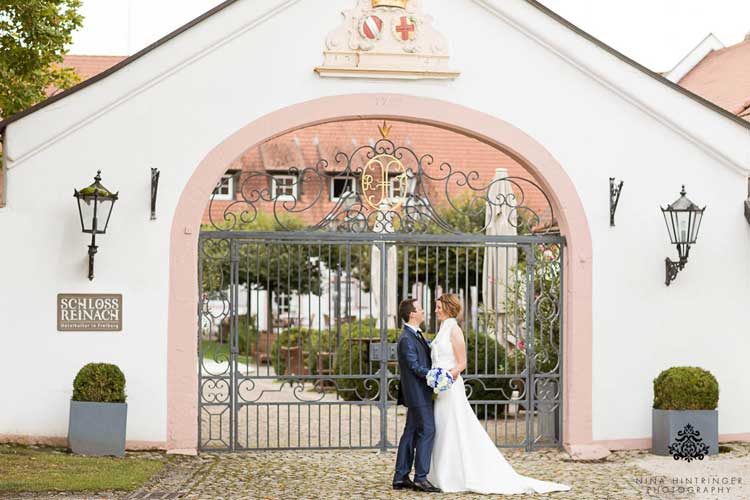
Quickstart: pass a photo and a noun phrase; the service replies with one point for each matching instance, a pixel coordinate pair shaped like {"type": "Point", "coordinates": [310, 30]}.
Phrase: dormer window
{"type": "Point", "coordinates": [342, 185]}
{"type": "Point", "coordinates": [284, 187]}
{"type": "Point", "coordinates": [224, 190]}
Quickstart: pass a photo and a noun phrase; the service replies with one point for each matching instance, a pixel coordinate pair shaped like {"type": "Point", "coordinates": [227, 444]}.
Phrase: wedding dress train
{"type": "Point", "coordinates": [464, 457]}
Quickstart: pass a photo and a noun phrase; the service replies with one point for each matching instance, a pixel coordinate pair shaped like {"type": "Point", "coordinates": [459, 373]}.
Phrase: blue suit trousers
{"type": "Point", "coordinates": [415, 446]}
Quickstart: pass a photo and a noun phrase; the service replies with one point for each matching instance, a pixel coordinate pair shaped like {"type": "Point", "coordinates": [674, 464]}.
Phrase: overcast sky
{"type": "Point", "coordinates": [656, 33]}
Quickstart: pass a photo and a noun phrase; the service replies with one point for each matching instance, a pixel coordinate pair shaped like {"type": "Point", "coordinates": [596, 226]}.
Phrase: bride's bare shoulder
{"type": "Point", "coordinates": [456, 330]}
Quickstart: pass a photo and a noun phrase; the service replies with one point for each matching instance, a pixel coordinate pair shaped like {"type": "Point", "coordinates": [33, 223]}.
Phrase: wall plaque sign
{"type": "Point", "coordinates": [85, 312]}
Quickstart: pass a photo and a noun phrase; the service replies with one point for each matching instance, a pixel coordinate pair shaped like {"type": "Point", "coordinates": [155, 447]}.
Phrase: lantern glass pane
{"type": "Point", "coordinates": [683, 226]}
{"type": "Point", "coordinates": [103, 212]}
{"type": "Point", "coordinates": [670, 222]}
{"type": "Point", "coordinates": [86, 206]}
{"type": "Point", "coordinates": [697, 219]}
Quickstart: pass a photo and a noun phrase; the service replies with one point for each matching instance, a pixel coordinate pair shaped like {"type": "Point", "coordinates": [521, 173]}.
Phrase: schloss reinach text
{"type": "Point", "coordinates": [90, 303]}
{"type": "Point", "coordinates": [90, 309]}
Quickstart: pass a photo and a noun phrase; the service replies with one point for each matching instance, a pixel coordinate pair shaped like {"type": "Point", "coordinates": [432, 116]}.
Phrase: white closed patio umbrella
{"type": "Point", "coordinates": [376, 275]}
{"type": "Point", "coordinates": [499, 261]}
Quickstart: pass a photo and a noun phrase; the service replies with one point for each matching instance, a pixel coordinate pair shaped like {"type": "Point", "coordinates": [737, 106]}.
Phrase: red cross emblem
{"type": "Point", "coordinates": [371, 27]}
{"type": "Point", "coordinates": [405, 28]}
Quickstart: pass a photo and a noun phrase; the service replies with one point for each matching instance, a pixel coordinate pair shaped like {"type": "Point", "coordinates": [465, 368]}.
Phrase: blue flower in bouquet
{"type": "Point", "coordinates": [439, 379]}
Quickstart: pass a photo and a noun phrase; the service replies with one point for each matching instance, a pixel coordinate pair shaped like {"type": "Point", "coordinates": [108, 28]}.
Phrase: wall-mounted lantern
{"type": "Point", "coordinates": [95, 203]}
{"type": "Point", "coordinates": [683, 218]}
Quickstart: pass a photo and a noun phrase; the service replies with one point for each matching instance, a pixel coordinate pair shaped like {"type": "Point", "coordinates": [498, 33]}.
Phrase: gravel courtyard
{"type": "Point", "coordinates": [355, 475]}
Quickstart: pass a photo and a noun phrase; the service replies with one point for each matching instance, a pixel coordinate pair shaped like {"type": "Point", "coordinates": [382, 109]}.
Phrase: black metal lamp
{"type": "Point", "coordinates": [95, 203]}
{"type": "Point", "coordinates": [683, 219]}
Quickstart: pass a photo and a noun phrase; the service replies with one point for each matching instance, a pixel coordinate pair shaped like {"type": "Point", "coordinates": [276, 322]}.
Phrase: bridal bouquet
{"type": "Point", "coordinates": [439, 379]}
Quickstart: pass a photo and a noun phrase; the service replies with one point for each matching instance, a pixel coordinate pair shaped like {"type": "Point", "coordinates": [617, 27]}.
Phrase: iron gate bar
{"type": "Point", "coordinates": [320, 236]}
{"type": "Point", "coordinates": [383, 371]}
{"type": "Point", "coordinates": [530, 263]}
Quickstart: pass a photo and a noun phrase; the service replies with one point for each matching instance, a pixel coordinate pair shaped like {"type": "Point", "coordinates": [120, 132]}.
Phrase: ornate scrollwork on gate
{"type": "Point", "coordinates": [390, 189]}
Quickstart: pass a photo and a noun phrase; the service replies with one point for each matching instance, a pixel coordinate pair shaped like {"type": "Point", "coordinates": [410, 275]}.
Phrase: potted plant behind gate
{"type": "Point", "coordinates": [685, 422]}
{"type": "Point", "coordinates": [98, 412]}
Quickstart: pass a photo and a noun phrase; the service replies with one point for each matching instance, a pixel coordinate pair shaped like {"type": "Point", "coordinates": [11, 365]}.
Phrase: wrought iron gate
{"type": "Point", "coordinates": [298, 324]}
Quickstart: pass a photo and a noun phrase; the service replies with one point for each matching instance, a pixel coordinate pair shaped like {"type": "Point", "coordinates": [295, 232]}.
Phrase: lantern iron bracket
{"type": "Point", "coordinates": [614, 198]}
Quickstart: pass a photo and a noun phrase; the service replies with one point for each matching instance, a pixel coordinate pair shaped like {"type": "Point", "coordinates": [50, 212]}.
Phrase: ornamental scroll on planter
{"type": "Point", "coordinates": [386, 39]}
{"type": "Point", "coordinates": [684, 419]}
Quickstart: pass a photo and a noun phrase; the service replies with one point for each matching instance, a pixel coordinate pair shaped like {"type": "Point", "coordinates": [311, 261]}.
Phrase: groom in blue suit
{"type": "Point", "coordinates": [414, 361]}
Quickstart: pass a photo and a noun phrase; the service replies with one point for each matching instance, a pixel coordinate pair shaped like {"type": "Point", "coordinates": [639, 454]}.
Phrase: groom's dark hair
{"type": "Point", "coordinates": [405, 308]}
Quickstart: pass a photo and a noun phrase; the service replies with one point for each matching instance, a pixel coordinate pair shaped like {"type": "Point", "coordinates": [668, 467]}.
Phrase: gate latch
{"type": "Point", "coordinates": [376, 355]}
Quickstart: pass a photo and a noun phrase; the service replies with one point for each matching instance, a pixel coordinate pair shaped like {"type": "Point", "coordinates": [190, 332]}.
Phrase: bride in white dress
{"type": "Point", "coordinates": [464, 457]}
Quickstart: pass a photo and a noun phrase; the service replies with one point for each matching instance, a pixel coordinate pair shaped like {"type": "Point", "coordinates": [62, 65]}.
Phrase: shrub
{"type": "Point", "coordinates": [247, 334]}
{"type": "Point", "coordinates": [485, 356]}
{"type": "Point", "coordinates": [99, 383]}
{"type": "Point", "coordinates": [686, 388]}
{"type": "Point", "coordinates": [477, 345]}
{"type": "Point", "coordinates": [310, 341]}
{"type": "Point", "coordinates": [351, 357]}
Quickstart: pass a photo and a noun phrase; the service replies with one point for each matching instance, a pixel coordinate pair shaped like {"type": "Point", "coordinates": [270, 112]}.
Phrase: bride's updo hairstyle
{"type": "Point", "coordinates": [451, 304]}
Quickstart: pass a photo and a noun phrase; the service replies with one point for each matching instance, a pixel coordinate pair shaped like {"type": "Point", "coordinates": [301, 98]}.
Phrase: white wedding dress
{"type": "Point", "coordinates": [464, 458]}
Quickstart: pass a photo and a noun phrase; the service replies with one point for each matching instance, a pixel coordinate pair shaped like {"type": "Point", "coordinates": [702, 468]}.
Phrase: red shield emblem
{"type": "Point", "coordinates": [371, 27]}
{"type": "Point", "coordinates": [405, 28]}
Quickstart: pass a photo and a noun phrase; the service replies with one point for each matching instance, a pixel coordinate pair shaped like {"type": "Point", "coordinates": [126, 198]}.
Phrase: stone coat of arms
{"type": "Point", "coordinates": [386, 39]}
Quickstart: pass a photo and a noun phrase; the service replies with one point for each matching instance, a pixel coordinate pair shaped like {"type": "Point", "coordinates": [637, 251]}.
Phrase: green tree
{"type": "Point", "coordinates": [33, 36]}
{"type": "Point", "coordinates": [445, 265]}
{"type": "Point", "coordinates": [273, 266]}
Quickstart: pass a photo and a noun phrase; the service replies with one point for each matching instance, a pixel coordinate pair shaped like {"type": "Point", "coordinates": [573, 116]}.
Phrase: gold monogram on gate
{"type": "Point", "coordinates": [384, 178]}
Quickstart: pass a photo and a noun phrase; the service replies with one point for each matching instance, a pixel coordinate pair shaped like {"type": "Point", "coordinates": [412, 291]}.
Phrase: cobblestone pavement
{"type": "Point", "coordinates": [355, 475]}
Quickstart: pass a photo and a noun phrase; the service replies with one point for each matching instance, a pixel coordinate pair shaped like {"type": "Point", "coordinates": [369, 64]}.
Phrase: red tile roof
{"type": "Point", "coordinates": [723, 77]}
{"type": "Point", "coordinates": [88, 66]}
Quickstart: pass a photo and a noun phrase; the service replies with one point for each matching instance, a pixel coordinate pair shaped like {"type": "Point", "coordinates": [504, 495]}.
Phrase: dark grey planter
{"type": "Point", "coordinates": [699, 428]}
{"type": "Point", "coordinates": [97, 429]}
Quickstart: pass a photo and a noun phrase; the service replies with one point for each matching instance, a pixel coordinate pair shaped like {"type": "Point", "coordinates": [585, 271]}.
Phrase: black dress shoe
{"type": "Point", "coordinates": [426, 486]}
{"type": "Point", "coordinates": [403, 484]}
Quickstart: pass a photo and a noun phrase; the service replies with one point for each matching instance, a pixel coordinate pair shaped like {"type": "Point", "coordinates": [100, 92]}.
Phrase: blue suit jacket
{"type": "Point", "coordinates": [414, 361]}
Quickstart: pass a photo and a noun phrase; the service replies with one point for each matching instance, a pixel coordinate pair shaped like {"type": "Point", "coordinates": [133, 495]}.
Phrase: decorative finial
{"type": "Point", "coordinates": [401, 4]}
{"type": "Point", "coordinates": [385, 129]}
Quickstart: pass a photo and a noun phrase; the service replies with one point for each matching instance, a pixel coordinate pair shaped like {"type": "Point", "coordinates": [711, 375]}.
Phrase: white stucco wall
{"type": "Point", "coordinates": [168, 109]}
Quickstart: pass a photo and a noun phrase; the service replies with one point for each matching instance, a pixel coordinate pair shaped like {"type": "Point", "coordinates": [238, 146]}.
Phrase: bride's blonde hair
{"type": "Point", "coordinates": [451, 304]}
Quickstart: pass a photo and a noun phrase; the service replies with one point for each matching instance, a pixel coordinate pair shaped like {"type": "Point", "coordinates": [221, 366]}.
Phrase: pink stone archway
{"type": "Point", "coordinates": [182, 377]}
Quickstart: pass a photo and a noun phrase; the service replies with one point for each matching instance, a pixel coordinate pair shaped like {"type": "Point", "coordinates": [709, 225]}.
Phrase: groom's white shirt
{"type": "Point", "coordinates": [416, 331]}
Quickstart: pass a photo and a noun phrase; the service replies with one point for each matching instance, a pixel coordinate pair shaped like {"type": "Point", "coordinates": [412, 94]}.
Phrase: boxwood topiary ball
{"type": "Point", "coordinates": [686, 388]}
{"type": "Point", "coordinates": [99, 383]}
